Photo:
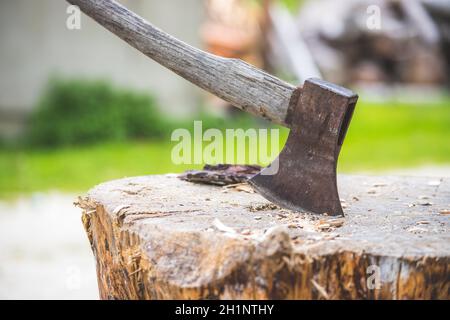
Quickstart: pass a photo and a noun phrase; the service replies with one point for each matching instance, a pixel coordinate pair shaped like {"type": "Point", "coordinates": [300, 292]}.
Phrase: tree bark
{"type": "Point", "coordinates": [157, 237]}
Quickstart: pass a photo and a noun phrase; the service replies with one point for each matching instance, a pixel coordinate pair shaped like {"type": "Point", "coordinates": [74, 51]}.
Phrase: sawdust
{"type": "Point", "coordinates": [240, 187]}
{"type": "Point", "coordinates": [329, 224]}
{"type": "Point", "coordinates": [263, 207]}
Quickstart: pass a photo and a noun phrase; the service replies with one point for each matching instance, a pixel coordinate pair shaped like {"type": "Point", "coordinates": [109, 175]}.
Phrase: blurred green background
{"type": "Point", "coordinates": [80, 131]}
{"type": "Point", "coordinates": [85, 132]}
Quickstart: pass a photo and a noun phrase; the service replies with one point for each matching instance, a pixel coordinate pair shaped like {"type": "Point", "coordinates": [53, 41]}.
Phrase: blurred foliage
{"type": "Point", "coordinates": [74, 112]}
{"type": "Point", "coordinates": [293, 5]}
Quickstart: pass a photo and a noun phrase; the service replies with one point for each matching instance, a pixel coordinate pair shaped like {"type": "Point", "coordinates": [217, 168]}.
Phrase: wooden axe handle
{"type": "Point", "coordinates": [233, 80]}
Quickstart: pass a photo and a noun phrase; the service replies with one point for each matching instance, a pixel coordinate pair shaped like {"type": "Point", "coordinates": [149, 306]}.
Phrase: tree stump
{"type": "Point", "coordinates": [157, 237]}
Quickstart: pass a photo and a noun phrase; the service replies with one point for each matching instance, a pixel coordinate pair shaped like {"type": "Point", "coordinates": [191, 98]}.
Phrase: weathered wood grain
{"type": "Point", "coordinates": [157, 237]}
{"type": "Point", "coordinates": [233, 80]}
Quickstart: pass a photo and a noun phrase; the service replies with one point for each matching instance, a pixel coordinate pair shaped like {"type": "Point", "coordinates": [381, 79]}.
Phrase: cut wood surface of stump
{"type": "Point", "coordinates": [157, 237]}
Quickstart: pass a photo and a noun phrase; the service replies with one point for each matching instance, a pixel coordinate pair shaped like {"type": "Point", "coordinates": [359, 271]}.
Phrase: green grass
{"type": "Point", "coordinates": [76, 169]}
{"type": "Point", "coordinates": [379, 138]}
{"type": "Point", "coordinates": [293, 5]}
{"type": "Point", "coordinates": [396, 136]}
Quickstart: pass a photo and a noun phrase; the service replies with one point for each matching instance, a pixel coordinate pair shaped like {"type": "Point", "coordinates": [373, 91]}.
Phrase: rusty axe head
{"type": "Point", "coordinates": [303, 177]}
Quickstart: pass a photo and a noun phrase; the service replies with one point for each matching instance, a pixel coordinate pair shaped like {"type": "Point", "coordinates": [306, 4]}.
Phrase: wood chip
{"type": "Point", "coordinates": [424, 203]}
{"type": "Point", "coordinates": [329, 224]}
{"type": "Point", "coordinates": [445, 212]}
{"type": "Point", "coordinates": [434, 183]}
{"type": "Point", "coordinates": [282, 215]}
{"type": "Point", "coordinates": [416, 230]}
{"type": "Point", "coordinates": [320, 289]}
{"type": "Point", "coordinates": [324, 226]}
{"type": "Point", "coordinates": [241, 187]}
{"type": "Point", "coordinates": [119, 208]}
{"type": "Point", "coordinates": [336, 222]}
{"type": "Point", "coordinates": [222, 227]}
{"type": "Point", "coordinates": [331, 236]}
{"type": "Point", "coordinates": [380, 184]}
{"type": "Point", "coordinates": [221, 174]}
{"type": "Point", "coordinates": [264, 207]}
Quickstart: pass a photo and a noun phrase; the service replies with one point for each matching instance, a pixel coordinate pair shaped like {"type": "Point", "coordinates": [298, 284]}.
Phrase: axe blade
{"type": "Point", "coordinates": [303, 177]}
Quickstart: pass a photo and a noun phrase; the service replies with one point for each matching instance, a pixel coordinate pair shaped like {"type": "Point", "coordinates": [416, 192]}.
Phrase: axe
{"type": "Point", "coordinates": [303, 177]}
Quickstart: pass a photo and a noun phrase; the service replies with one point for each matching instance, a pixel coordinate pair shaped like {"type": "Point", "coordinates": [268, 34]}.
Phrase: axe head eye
{"type": "Point", "coordinates": [303, 177]}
